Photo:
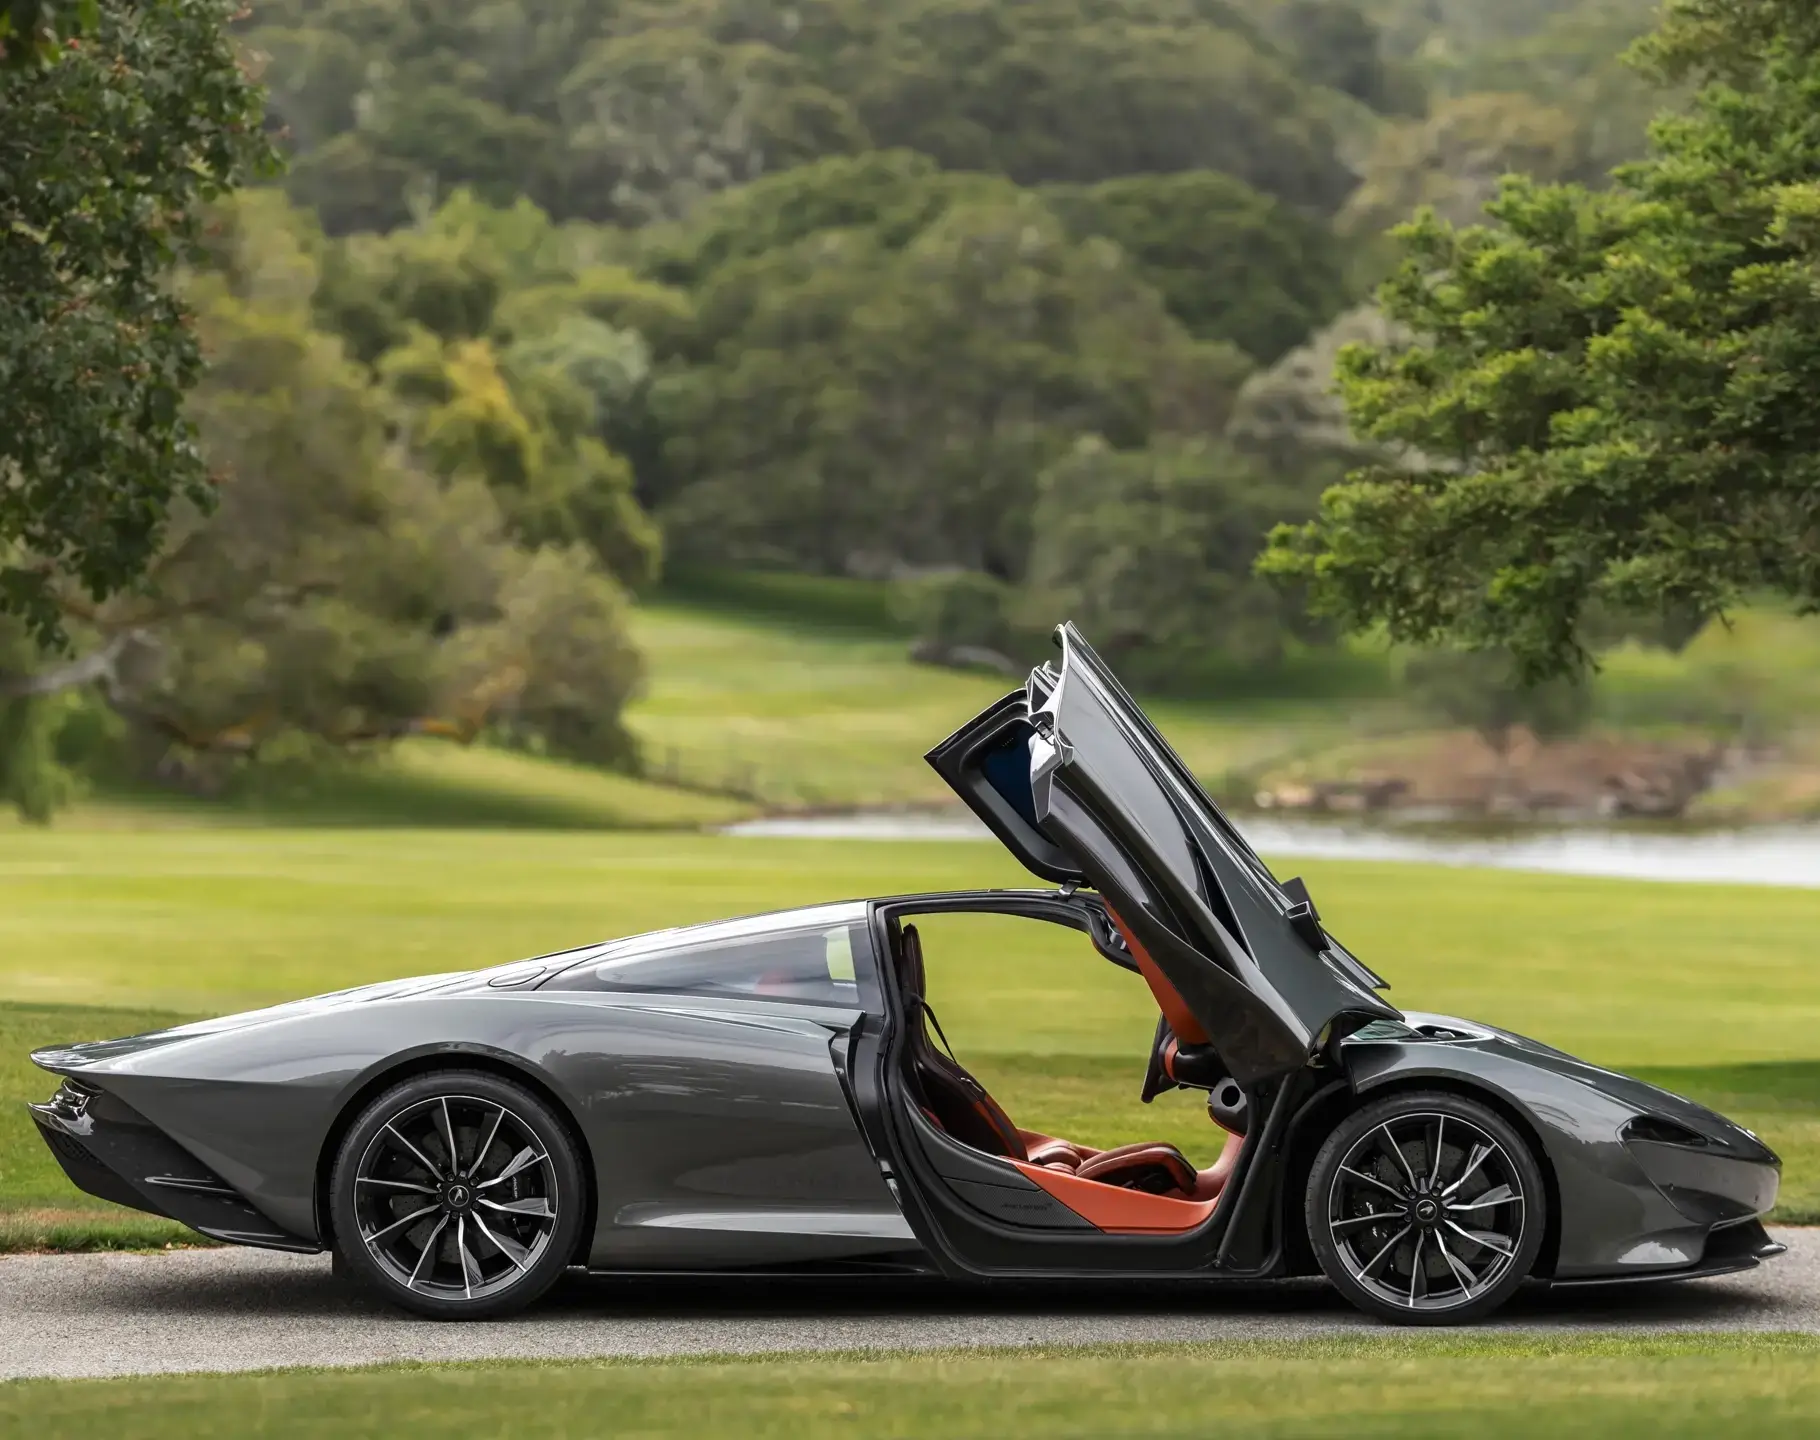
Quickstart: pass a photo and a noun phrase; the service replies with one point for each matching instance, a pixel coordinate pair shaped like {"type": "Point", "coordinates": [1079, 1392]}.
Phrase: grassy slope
{"type": "Point", "coordinates": [748, 700]}
{"type": "Point", "coordinates": [1487, 1387]}
{"type": "Point", "coordinates": [420, 783]}
{"type": "Point", "coordinates": [1716, 983]}
{"type": "Point", "coordinates": [827, 716]}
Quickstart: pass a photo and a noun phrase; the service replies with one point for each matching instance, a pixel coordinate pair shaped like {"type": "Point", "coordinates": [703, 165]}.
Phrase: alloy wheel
{"type": "Point", "coordinates": [1427, 1211]}
{"type": "Point", "coordinates": [456, 1198]}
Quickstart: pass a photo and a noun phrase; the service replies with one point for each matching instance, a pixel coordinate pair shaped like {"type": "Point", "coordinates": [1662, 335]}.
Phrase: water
{"type": "Point", "coordinates": [1767, 855]}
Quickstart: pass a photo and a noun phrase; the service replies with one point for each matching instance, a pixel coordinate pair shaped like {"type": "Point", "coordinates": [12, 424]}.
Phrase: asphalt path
{"type": "Point", "coordinates": [187, 1310]}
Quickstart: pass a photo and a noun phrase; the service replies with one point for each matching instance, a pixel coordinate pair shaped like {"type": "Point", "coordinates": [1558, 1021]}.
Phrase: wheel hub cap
{"type": "Point", "coordinates": [456, 1197]}
{"type": "Point", "coordinates": [1427, 1211]}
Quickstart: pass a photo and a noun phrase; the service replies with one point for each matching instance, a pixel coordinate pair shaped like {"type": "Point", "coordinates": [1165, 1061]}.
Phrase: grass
{"type": "Point", "coordinates": [207, 920]}
{"type": "Point", "coordinates": [1489, 1387]}
{"type": "Point", "coordinates": [781, 691]}
{"type": "Point", "coordinates": [1711, 990]}
{"type": "Point", "coordinates": [418, 783]}
{"type": "Point", "coordinates": [751, 701]}
{"type": "Point", "coordinates": [1763, 667]}
{"type": "Point", "coordinates": [808, 715]}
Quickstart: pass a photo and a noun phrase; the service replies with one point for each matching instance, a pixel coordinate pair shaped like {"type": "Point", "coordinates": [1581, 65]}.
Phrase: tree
{"type": "Point", "coordinates": [107, 148]}
{"type": "Point", "coordinates": [1231, 264]}
{"type": "Point", "coordinates": [1151, 551]}
{"type": "Point", "coordinates": [1575, 61]}
{"type": "Point", "coordinates": [33, 31]}
{"type": "Point", "coordinates": [876, 397]}
{"type": "Point", "coordinates": [482, 321]}
{"type": "Point", "coordinates": [1483, 690]}
{"type": "Point", "coordinates": [341, 592]}
{"type": "Point", "coordinates": [1614, 391]}
{"type": "Point", "coordinates": [1339, 46]}
{"type": "Point", "coordinates": [1454, 159]}
{"type": "Point", "coordinates": [631, 111]}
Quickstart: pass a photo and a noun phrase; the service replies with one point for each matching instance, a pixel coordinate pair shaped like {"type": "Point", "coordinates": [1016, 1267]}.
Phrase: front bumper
{"type": "Point", "coordinates": [1741, 1246]}
{"type": "Point", "coordinates": [111, 1151]}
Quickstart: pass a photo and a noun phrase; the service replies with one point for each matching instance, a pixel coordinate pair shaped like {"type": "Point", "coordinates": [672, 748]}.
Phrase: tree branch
{"type": "Point", "coordinates": [100, 665]}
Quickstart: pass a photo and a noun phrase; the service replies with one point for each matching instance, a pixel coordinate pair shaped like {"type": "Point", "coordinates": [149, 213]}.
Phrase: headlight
{"type": "Point", "coordinates": [1658, 1131]}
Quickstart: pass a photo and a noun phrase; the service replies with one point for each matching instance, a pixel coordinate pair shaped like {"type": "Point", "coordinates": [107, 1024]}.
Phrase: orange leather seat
{"type": "Point", "coordinates": [959, 1105]}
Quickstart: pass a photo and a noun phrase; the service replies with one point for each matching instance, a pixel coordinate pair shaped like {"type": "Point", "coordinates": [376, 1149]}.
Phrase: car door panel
{"type": "Point", "coordinates": [723, 1136]}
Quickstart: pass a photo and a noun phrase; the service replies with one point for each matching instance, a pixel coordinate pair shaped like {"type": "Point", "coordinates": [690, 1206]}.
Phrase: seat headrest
{"type": "Point", "coordinates": [910, 964]}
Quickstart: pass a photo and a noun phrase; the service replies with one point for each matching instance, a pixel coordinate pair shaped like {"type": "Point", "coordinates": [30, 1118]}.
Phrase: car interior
{"type": "Point", "coordinates": [1148, 1185]}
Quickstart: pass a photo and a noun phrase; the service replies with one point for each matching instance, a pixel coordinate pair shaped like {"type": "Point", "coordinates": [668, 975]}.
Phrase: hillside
{"type": "Point", "coordinates": [804, 716]}
{"type": "Point", "coordinates": [783, 694]}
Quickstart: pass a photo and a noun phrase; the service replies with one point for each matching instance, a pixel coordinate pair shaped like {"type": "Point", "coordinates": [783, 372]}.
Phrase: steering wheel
{"type": "Point", "coordinates": [1156, 1078]}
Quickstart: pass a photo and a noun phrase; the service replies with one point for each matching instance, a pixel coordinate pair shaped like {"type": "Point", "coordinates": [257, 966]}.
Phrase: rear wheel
{"type": "Point", "coordinates": [1426, 1209]}
{"type": "Point", "coordinates": [458, 1195]}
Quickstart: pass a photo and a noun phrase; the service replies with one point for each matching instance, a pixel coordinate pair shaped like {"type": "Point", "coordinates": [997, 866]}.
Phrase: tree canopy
{"type": "Point", "coordinates": [880, 385]}
{"type": "Point", "coordinates": [108, 146]}
{"type": "Point", "coordinates": [629, 111]}
{"type": "Point", "coordinates": [1029, 305]}
{"type": "Point", "coordinates": [438, 542]}
{"type": "Point", "coordinates": [1612, 392]}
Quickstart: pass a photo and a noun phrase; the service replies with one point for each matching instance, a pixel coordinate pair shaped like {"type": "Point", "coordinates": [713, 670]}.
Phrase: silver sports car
{"type": "Point", "coordinates": [767, 1095]}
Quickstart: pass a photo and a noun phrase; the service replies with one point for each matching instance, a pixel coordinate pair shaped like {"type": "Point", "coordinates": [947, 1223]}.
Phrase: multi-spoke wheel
{"type": "Point", "coordinates": [457, 1194]}
{"type": "Point", "coordinates": [1426, 1209]}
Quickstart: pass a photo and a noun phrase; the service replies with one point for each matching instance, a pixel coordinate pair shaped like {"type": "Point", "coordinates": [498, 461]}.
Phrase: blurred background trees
{"type": "Point", "coordinates": [1030, 308]}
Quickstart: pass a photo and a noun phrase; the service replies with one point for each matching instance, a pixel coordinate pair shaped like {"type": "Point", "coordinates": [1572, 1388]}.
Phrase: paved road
{"type": "Point", "coordinates": [71, 1315]}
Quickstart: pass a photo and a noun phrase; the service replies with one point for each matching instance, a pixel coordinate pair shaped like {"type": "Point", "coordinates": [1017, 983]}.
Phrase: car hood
{"type": "Point", "coordinates": [1418, 1027]}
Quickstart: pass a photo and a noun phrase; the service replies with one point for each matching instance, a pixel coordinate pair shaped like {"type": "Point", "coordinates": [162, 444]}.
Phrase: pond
{"type": "Point", "coordinates": [1769, 855]}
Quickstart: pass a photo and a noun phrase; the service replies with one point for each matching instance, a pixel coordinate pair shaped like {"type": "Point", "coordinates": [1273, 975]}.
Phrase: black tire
{"type": "Point", "coordinates": [478, 1238]}
{"type": "Point", "coordinates": [1420, 1243]}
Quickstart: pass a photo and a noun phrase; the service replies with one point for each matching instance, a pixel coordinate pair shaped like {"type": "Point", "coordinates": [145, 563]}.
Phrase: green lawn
{"type": "Point", "coordinates": [1711, 990]}
{"type": "Point", "coordinates": [1486, 1387]}
{"type": "Point", "coordinates": [417, 783]}
{"type": "Point", "coordinates": [807, 715]}
{"type": "Point", "coordinates": [207, 920]}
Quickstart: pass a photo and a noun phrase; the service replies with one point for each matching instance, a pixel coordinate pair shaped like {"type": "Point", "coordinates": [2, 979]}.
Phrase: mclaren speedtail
{"type": "Point", "coordinates": [767, 1095]}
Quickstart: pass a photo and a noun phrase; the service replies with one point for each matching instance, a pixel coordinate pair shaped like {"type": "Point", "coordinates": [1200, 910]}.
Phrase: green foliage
{"type": "Point", "coordinates": [1290, 419]}
{"type": "Point", "coordinates": [879, 396]}
{"type": "Point", "coordinates": [957, 609]}
{"type": "Point", "coordinates": [1453, 160]}
{"type": "Point", "coordinates": [1230, 263]}
{"type": "Point", "coordinates": [1619, 387]}
{"type": "Point", "coordinates": [1339, 46]}
{"type": "Point", "coordinates": [110, 144]}
{"type": "Point", "coordinates": [380, 561]}
{"type": "Point", "coordinates": [1576, 61]}
{"type": "Point", "coordinates": [33, 779]}
{"type": "Point", "coordinates": [1151, 552]}
{"type": "Point", "coordinates": [32, 32]}
{"type": "Point", "coordinates": [494, 331]}
{"type": "Point", "coordinates": [1482, 689]}
{"type": "Point", "coordinates": [634, 112]}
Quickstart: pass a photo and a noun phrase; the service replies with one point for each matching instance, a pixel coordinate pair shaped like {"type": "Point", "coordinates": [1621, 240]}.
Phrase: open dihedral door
{"type": "Point", "coordinates": [1075, 780]}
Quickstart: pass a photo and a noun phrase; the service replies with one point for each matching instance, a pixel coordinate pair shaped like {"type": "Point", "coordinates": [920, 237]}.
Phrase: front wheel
{"type": "Point", "coordinates": [1426, 1209]}
{"type": "Point", "coordinates": [458, 1195]}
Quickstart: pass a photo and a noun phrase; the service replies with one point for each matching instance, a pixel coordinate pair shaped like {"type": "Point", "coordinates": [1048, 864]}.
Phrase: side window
{"type": "Point", "coordinates": [814, 966]}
